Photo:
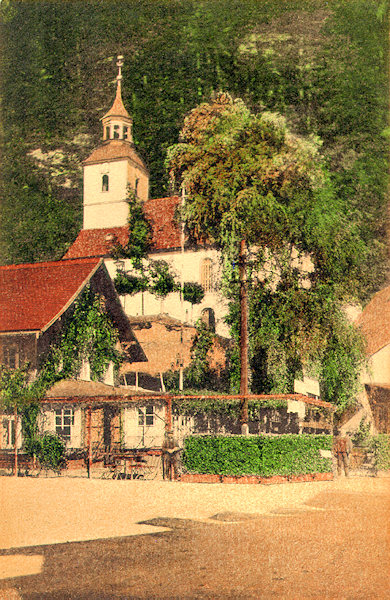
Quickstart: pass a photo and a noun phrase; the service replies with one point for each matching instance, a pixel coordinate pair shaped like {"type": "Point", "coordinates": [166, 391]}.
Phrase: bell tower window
{"type": "Point", "coordinates": [116, 132]}
{"type": "Point", "coordinates": [105, 183]}
{"type": "Point", "coordinates": [107, 133]}
{"type": "Point", "coordinates": [125, 133]}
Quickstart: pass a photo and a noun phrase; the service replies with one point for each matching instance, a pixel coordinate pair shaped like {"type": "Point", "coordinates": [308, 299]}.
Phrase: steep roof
{"type": "Point", "coordinates": [165, 232]}
{"type": "Point", "coordinates": [115, 149]}
{"type": "Point", "coordinates": [118, 108]}
{"type": "Point", "coordinates": [374, 321]}
{"type": "Point", "coordinates": [33, 296]}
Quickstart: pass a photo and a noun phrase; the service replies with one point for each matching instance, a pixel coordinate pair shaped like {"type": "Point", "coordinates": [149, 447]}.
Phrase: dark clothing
{"type": "Point", "coordinates": [170, 451]}
{"type": "Point", "coordinates": [342, 448]}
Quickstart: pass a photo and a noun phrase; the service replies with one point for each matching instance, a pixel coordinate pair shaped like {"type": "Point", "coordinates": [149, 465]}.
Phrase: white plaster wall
{"type": "Point", "coordinates": [134, 173]}
{"type": "Point", "coordinates": [105, 209]}
{"type": "Point", "coordinates": [186, 267]}
{"type": "Point", "coordinates": [378, 370]}
{"type": "Point", "coordinates": [6, 421]}
{"type": "Point", "coordinates": [143, 436]}
{"type": "Point", "coordinates": [47, 423]}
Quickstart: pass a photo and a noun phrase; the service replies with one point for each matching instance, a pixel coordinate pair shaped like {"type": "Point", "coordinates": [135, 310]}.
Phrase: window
{"type": "Point", "coordinates": [116, 132]}
{"type": "Point", "coordinates": [146, 416]}
{"type": "Point", "coordinates": [136, 186]}
{"type": "Point", "coordinates": [8, 433]}
{"type": "Point", "coordinates": [125, 133]}
{"type": "Point", "coordinates": [208, 318]}
{"type": "Point", "coordinates": [64, 422]}
{"type": "Point", "coordinates": [11, 357]}
{"type": "Point", "coordinates": [107, 133]}
{"type": "Point", "coordinates": [206, 278]}
{"type": "Point", "coordinates": [105, 183]}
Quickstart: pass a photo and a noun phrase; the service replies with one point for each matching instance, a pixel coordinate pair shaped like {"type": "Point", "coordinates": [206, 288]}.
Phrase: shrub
{"type": "Point", "coordinates": [193, 292]}
{"type": "Point", "coordinates": [257, 455]}
{"type": "Point", "coordinates": [381, 446]}
{"type": "Point", "coordinates": [51, 453]}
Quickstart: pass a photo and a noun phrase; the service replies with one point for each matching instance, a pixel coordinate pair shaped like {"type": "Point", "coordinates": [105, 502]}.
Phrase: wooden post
{"type": "Point", "coordinates": [168, 414]}
{"type": "Point", "coordinates": [16, 441]}
{"type": "Point", "coordinates": [243, 337]}
{"type": "Point", "coordinates": [89, 440]}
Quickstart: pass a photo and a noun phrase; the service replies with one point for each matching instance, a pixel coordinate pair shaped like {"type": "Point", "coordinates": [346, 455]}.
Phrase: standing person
{"type": "Point", "coordinates": [170, 451]}
{"type": "Point", "coordinates": [342, 448]}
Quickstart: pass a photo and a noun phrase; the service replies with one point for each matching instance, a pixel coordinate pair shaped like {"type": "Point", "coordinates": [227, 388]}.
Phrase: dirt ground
{"type": "Point", "coordinates": [325, 541]}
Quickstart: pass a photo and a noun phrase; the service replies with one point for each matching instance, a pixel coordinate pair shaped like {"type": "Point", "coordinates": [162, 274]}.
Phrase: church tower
{"type": "Point", "coordinates": [113, 168]}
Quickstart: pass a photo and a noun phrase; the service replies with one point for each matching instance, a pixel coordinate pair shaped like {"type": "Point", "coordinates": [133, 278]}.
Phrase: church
{"type": "Point", "coordinates": [167, 325]}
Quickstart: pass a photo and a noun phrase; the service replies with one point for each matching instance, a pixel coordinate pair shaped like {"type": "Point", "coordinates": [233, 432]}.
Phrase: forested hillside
{"type": "Point", "coordinates": [322, 64]}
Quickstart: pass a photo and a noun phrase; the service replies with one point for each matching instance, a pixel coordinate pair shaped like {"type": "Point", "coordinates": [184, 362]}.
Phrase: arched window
{"type": "Point", "coordinates": [116, 132]}
{"type": "Point", "coordinates": [206, 275]}
{"type": "Point", "coordinates": [208, 318]}
{"type": "Point", "coordinates": [105, 183]}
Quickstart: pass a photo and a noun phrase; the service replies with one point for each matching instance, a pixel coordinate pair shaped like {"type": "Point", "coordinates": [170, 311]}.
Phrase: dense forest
{"type": "Point", "coordinates": [322, 64]}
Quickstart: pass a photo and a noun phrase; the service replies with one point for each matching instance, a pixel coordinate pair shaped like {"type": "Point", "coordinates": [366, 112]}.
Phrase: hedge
{"type": "Point", "coordinates": [257, 455]}
{"type": "Point", "coordinates": [381, 444]}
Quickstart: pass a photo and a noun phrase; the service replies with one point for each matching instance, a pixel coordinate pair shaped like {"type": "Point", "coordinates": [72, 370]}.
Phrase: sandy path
{"type": "Point", "coordinates": [49, 511]}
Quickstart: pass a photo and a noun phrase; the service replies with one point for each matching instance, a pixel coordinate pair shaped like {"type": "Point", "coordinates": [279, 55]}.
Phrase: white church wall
{"type": "Point", "coordinates": [185, 266]}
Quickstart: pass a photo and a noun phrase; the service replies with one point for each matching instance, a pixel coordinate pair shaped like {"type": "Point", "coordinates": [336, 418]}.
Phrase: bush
{"type": "Point", "coordinates": [193, 292]}
{"type": "Point", "coordinates": [381, 446]}
{"type": "Point", "coordinates": [257, 455]}
{"type": "Point", "coordinates": [51, 453]}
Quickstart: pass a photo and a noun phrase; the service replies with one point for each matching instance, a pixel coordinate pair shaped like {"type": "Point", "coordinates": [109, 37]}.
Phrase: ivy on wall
{"type": "Point", "coordinates": [88, 335]}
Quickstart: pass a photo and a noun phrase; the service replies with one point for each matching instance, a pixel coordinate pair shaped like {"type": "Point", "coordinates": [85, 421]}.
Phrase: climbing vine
{"type": "Point", "coordinates": [87, 335]}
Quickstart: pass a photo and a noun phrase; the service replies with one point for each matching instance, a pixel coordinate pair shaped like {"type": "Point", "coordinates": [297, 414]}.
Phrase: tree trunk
{"type": "Point", "coordinates": [243, 337]}
{"type": "Point", "coordinates": [16, 441]}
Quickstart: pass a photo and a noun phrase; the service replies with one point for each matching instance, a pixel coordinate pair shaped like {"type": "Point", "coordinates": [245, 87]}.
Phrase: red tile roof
{"type": "Point", "coordinates": [161, 214]}
{"type": "Point", "coordinates": [97, 242]}
{"type": "Point", "coordinates": [115, 149]}
{"type": "Point", "coordinates": [35, 295]}
{"type": "Point", "coordinates": [375, 321]}
{"type": "Point", "coordinates": [165, 232]}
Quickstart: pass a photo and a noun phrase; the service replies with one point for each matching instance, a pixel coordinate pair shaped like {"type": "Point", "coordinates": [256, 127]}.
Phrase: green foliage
{"type": "Point", "coordinates": [247, 176]}
{"type": "Point", "coordinates": [125, 283]}
{"type": "Point", "coordinates": [88, 335]}
{"type": "Point", "coordinates": [16, 390]}
{"type": "Point", "coordinates": [51, 452]}
{"type": "Point", "coordinates": [257, 455]}
{"type": "Point", "coordinates": [193, 292]}
{"type": "Point", "coordinates": [362, 436]}
{"type": "Point", "coordinates": [162, 282]}
{"type": "Point", "coordinates": [323, 64]}
{"type": "Point", "coordinates": [381, 447]}
{"type": "Point", "coordinates": [223, 406]}
{"type": "Point", "coordinates": [198, 375]}
{"type": "Point", "coordinates": [146, 275]}
{"type": "Point", "coordinates": [140, 233]}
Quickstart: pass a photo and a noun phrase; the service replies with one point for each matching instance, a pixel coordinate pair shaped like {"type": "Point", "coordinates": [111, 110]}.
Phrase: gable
{"type": "Point", "coordinates": [33, 296]}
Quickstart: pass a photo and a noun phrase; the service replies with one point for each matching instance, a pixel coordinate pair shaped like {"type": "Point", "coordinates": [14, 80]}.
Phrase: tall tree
{"type": "Point", "coordinates": [253, 186]}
